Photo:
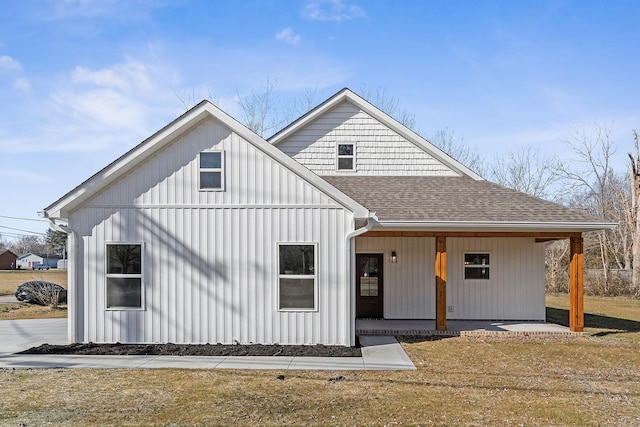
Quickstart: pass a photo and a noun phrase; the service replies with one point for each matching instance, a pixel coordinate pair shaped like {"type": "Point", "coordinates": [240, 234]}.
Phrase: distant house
{"type": "Point", "coordinates": [205, 233]}
{"type": "Point", "coordinates": [8, 260]}
{"type": "Point", "coordinates": [32, 261]}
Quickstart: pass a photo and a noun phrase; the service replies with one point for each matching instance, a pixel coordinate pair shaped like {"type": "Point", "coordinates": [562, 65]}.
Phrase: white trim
{"type": "Point", "coordinates": [494, 226]}
{"type": "Point", "coordinates": [108, 275]}
{"type": "Point", "coordinates": [221, 170]}
{"type": "Point", "coordinates": [314, 276]}
{"type": "Point", "coordinates": [343, 156]}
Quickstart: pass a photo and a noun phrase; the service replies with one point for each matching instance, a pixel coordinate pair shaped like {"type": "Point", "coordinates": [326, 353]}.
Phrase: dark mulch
{"type": "Point", "coordinates": [197, 350]}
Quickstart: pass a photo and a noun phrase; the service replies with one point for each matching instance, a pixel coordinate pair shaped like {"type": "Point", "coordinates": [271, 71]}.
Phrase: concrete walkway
{"type": "Point", "coordinates": [378, 353]}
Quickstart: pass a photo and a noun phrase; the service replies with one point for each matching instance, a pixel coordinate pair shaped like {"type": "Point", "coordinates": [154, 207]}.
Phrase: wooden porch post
{"type": "Point", "coordinates": [576, 285]}
{"type": "Point", "coordinates": [441, 283]}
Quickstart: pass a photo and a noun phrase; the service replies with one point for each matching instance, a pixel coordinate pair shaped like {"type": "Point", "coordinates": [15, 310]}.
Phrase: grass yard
{"type": "Point", "coordinates": [11, 279]}
{"type": "Point", "coordinates": [617, 318]}
{"type": "Point", "coordinates": [476, 381]}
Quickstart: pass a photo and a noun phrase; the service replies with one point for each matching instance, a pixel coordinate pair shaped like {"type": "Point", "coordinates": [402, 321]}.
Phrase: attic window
{"type": "Point", "coordinates": [346, 157]}
{"type": "Point", "coordinates": [212, 170]}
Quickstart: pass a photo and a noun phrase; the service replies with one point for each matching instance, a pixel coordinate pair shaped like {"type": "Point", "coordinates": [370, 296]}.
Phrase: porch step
{"type": "Point", "coordinates": [464, 333]}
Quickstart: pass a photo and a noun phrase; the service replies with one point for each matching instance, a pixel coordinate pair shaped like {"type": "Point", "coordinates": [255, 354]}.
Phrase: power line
{"type": "Point", "coordinates": [20, 229]}
{"type": "Point", "coordinates": [23, 219]}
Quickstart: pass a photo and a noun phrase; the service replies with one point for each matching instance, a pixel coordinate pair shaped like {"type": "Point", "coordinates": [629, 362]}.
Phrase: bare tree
{"type": "Point", "coordinates": [454, 145]}
{"type": "Point", "coordinates": [390, 105]}
{"type": "Point", "coordinates": [28, 244]}
{"type": "Point", "coordinates": [261, 109]}
{"type": "Point", "coordinates": [634, 213]}
{"type": "Point", "coordinates": [590, 178]}
{"type": "Point", "coordinates": [528, 171]}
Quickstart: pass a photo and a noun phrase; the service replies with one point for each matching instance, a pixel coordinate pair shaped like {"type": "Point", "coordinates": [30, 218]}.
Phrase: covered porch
{"type": "Point", "coordinates": [440, 323]}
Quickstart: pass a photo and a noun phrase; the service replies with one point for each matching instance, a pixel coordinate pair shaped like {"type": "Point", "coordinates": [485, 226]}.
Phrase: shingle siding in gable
{"type": "Point", "coordinates": [379, 150]}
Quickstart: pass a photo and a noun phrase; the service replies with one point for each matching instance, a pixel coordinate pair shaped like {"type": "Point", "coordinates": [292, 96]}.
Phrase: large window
{"type": "Point", "coordinates": [476, 266]}
{"type": "Point", "coordinates": [297, 276]}
{"type": "Point", "coordinates": [346, 157]}
{"type": "Point", "coordinates": [124, 276]}
{"type": "Point", "coordinates": [212, 170]}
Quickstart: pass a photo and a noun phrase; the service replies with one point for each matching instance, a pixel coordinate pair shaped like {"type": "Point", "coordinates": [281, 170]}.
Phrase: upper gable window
{"type": "Point", "coordinates": [212, 170]}
{"type": "Point", "coordinates": [346, 157]}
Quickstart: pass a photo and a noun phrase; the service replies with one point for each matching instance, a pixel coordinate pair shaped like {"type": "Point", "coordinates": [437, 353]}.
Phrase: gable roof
{"type": "Point", "coordinates": [458, 203]}
{"type": "Point", "coordinates": [346, 95]}
{"type": "Point", "coordinates": [202, 111]}
{"type": "Point", "coordinates": [8, 251]}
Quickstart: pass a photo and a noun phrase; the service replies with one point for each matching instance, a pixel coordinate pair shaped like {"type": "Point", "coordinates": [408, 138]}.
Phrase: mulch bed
{"type": "Point", "coordinates": [197, 350]}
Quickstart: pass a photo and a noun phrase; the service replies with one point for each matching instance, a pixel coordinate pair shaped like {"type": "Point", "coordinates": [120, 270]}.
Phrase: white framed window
{"type": "Point", "coordinates": [124, 290]}
{"type": "Point", "coordinates": [477, 265]}
{"type": "Point", "coordinates": [297, 277]}
{"type": "Point", "coordinates": [346, 156]}
{"type": "Point", "coordinates": [211, 170]}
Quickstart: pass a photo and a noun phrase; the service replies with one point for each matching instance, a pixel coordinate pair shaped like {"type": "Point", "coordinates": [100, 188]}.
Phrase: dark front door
{"type": "Point", "coordinates": [369, 286]}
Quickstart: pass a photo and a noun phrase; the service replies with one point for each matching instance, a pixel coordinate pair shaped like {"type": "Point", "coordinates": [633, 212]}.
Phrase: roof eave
{"type": "Point", "coordinates": [494, 226]}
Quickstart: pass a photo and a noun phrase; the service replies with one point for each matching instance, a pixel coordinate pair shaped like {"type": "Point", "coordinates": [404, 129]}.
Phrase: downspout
{"type": "Point", "coordinates": [71, 276]}
{"type": "Point", "coordinates": [351, 289]}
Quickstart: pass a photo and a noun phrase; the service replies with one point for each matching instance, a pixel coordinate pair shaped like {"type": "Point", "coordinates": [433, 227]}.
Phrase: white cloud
{"type": "Point", "coordinates": [22, 84]}
{"type": "Point", "coordinates": [8, 63]}
{"type": "Point", "coordinates": [288, 36]}
{"type": "Point", "coordinates": [131, 75]}
{"type": "Point", "coordinates": [88, 9]}
{"type": "Point", "coordinates": [331, 10]}
{"type": "Point", "coordinates": [22, 175]}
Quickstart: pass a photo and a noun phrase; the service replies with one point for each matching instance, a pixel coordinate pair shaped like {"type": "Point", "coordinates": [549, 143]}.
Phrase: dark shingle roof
{"type": "Point", "coordinates": [446, 199]}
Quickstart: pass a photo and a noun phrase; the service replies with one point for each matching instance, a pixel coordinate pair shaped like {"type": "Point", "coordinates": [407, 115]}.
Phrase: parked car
{"type": "Point", "coordinates": [41, 267]}
{"type": "Point", "coordinates": [41, 292]}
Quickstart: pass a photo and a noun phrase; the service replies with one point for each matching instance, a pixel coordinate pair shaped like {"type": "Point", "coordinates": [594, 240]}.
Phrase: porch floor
{"type": "Point", "coordinates": [457, 327]}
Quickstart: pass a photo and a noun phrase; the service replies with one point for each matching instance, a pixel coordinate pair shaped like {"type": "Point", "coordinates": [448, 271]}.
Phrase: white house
{"type": "Point", "coordinates": [207, 233]}
{"type": "Point", "coordinates": [33, 261]}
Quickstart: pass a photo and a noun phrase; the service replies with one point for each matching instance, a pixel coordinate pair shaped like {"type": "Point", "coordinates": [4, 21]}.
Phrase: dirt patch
{"type": "Point", "coordinates": [197, 350]}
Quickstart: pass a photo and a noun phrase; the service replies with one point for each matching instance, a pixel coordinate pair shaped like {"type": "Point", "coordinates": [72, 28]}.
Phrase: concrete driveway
{"type": "Point", "coordinates": [19, 335]}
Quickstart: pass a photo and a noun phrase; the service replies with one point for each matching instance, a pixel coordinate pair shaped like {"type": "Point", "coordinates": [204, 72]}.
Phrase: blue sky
{"type": "Point", "coordinates": [83, 81]}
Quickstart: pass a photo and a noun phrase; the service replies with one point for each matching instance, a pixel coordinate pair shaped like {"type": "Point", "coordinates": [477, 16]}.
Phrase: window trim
{"type": "Point", "coordinates": [352, 157]}
{"type": "Point", "coordinates": [488, 266]}
{"type": "Point", "coordinates": [108, 275]}
{"type": "Point", "coordinates": [313, 276]}
{"type": "Point", "coordinates": [221, 169]}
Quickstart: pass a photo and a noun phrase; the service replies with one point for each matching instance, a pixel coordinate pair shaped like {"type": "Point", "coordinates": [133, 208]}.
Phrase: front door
{"type": "Point", "coordinates": [369, 286]}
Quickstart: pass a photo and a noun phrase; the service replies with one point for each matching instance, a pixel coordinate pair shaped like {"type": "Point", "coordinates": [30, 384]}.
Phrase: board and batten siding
{"type": "Point", "coordinates": [515, 290]}
{"type": "Point", "coordinates": [210, 258]}
{"type": "Point", "coordinates": [516, 286]}
{"type": "Point", "coordinates": [409, 284]}
{"type": "Point", "coordinates": [378, 149]}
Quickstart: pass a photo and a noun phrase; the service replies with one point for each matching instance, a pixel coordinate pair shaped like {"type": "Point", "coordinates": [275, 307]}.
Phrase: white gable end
{"type": "Point", "coordinates": [378, 149]}
{"type": "Point", "coordinates": [170, 176]}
